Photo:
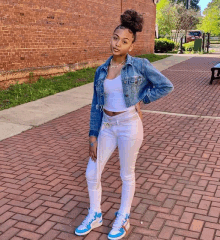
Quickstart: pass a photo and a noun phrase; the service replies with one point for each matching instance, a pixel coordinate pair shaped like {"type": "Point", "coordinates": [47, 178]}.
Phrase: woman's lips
{"type": "Point", "coordinates": [116, 50]}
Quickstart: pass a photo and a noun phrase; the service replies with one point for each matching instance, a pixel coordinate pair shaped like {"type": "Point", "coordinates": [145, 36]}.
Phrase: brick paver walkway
{"type": "Point", "coordinates": [43, 192]}
{"type": "Point", "coordinates": [193, 94]}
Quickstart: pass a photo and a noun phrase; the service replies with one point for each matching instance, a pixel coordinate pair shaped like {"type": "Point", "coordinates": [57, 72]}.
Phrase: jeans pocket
{"type": "Point", "coordinates": [104, 126]}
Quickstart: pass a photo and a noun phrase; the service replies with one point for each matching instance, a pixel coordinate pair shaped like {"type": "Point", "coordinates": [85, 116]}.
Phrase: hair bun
{"type": "Point", "coordinates": [132, 20]}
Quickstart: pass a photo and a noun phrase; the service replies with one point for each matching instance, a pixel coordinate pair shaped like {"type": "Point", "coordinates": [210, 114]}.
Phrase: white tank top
{"type": "Point", "coordinates": [113, 95]}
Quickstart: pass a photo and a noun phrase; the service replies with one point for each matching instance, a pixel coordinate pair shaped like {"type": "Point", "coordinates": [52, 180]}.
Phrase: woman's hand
{"type": "Point", "coordinates": [93, 149]}
{"type": "Point", "coordinates": [138, 109]}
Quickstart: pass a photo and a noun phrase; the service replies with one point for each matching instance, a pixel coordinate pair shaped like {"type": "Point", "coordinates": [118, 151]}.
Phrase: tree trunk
{"type": "Point", "coordinates": [185, 34]}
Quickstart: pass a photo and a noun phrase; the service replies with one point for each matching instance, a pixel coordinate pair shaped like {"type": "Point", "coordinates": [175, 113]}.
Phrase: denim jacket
{"type": "Point", "coordinates": [140, 82]}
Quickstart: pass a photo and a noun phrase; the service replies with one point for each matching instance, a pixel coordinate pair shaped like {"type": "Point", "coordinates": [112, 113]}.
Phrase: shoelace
{"type": "Point", "coordinates": [119, 221]}
{"type": "Point", "coordinates": [88, 218]}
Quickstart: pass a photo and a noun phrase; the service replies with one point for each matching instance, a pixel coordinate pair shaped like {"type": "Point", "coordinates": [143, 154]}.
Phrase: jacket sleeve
{"type": "Point", "coordinates": [158, 86]}
{"type": "Point", "coordinates": [95, 112]}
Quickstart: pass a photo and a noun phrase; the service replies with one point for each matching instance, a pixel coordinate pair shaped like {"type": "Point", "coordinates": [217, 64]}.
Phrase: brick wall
{"type": "Point", "coordinates": [55, 36]}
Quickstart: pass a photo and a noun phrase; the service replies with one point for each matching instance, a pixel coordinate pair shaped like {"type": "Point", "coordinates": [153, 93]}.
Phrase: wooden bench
{"type": "Point", "coordinates": [216, 67]}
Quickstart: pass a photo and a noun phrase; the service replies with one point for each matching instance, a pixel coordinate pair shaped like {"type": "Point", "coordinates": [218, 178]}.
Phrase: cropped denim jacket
{"type": "Point", "coordinates": [140, 82]}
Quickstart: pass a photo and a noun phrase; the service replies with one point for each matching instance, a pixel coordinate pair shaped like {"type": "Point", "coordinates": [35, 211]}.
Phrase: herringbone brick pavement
{"type": "Point", "coordinates": [43, 191]}
{"type": "Point", "coordinates": [192, 94]}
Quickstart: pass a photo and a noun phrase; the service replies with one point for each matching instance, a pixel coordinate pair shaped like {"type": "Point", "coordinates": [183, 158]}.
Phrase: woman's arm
{"type": "Point", "coordinates": [94, 114]}
{"type": "Point", "coordinates": [159, 86]}
{"type": "Point", "coordinates": [138, 109]}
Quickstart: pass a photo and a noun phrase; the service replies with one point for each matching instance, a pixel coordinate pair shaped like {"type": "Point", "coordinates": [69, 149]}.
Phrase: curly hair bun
{"type": "Point", "coordinates": [132, 20]}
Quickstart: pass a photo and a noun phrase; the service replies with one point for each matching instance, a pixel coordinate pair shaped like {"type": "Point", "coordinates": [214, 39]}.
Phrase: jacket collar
{"type": "Point", "coordinates": [129, 60]}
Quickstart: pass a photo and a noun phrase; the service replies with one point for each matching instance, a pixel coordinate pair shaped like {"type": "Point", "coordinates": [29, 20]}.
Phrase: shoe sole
{"type": "Point", "coordinates": [95, 226]}
{"type": "Point", "coordinates": [121, 235]}
{"type": "Point", "coordinates": [117, 237]}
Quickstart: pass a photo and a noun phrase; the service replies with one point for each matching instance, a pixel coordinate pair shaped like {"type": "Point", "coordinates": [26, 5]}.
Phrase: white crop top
{"type": "Point", "coordinates": [113, 95]}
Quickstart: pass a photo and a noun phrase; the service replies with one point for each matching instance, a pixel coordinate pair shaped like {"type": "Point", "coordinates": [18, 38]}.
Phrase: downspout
{"type": "Point", "coordinates": [121, 6]}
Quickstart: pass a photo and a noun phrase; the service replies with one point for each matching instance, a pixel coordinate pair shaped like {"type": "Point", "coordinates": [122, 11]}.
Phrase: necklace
{"type": "Point", "coordinates": [112, 66]}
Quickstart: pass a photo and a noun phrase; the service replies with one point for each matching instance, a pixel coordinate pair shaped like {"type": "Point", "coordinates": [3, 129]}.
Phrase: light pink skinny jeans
{"type": "Point", "coordinates": [126, 132]}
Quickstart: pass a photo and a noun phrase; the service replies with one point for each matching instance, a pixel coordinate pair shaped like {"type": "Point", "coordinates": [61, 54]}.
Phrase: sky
{"type": "Point", "coordinates": [203, 4]}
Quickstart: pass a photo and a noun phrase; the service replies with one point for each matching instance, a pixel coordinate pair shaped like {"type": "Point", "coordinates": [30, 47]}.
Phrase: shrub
{"type": "Point", "coordinates": [188, 46]}
{"type": "Point", "coordinates": [177, 45]}
{"type": "Point", "coordinates": [163, 45]}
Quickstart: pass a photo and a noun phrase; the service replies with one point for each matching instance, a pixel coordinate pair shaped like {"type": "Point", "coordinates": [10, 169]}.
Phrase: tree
{"type": "Point", "coordinates": [212, 4]}
{"type": "Point", "coordinates": [211, 22]}
{"type": "Point", "coordinates": [165, 17]}
{"type": "Point", "coordinates": [188, 19]}
{"type": "Point", "coordinates": [173, 16]}
{"type": "Point", "coordinates": [193, 4]}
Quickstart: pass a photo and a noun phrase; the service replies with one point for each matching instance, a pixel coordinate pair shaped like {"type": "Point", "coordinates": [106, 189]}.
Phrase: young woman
{"type": "Point", "coordinates": [116, 120]}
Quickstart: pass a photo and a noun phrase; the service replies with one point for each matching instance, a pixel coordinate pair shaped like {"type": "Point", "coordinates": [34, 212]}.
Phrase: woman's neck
{"type": "Point", "coordinates": [119, 59]}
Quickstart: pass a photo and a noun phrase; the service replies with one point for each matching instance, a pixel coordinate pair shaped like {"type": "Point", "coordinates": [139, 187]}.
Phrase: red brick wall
{"type": "Point", "coordinates": [41, 36]}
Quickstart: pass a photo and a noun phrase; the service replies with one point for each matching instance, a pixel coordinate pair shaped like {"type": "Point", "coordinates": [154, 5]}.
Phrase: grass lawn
{"type": "Point", "coordinates": [26, 92]}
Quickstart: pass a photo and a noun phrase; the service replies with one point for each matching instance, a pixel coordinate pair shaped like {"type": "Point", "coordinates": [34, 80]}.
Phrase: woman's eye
{"type": "Point", "coordinates": [115, 38]}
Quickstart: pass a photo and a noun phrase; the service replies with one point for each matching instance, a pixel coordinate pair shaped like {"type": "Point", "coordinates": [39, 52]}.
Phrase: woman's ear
{"type": "Point", "coordinates": [131, 47]}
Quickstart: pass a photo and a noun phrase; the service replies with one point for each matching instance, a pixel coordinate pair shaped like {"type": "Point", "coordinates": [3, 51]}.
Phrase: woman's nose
{"type": "Point", "coordinates": [118, 43]}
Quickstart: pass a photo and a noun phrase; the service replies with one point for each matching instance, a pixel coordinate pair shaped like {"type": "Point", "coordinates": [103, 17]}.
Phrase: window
{"type": "Point", "coordinates": [195, 33]}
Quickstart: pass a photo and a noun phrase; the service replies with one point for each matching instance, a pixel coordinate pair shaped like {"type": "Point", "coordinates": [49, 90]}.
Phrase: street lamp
{"type": "Point", "coordinates": [187, 4]}
{"type": "Point", "coordinates": [187, 7]}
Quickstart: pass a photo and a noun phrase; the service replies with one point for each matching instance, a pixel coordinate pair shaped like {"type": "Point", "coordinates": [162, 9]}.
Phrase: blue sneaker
{"type": "Point", "coordinates": [120, 226]}
{"type": "Point", "coordinates": [92, 220]}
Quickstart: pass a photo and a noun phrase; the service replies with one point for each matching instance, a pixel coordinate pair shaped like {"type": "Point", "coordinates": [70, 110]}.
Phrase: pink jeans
{"type": "Point", "coordinates": [124, 130]}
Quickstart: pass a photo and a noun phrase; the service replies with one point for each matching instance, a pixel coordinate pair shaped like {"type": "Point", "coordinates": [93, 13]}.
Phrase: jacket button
{"type": "Point", "coordinates": [126, 95]}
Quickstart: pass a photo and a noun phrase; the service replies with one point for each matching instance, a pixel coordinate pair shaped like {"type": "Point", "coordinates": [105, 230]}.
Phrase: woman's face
{"type": "Point", "coordinates": [121, 40]}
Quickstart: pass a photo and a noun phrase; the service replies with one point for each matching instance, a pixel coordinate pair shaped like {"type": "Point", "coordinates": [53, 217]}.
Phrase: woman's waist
{"type": "Point", "coordinates": [128, 114]}
{"type": "Point", "coordinates": [111, 113]}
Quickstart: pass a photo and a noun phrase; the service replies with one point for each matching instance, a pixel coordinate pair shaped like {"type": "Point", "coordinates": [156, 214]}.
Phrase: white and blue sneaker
{"type": "Point", "coordinates": [120, 226]}
{"type": "Point", "coordinates": [92, 220]}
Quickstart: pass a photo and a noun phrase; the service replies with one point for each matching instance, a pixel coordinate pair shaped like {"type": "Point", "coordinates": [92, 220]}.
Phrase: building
{"type": "Point", "coordinates": [48, 38]}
